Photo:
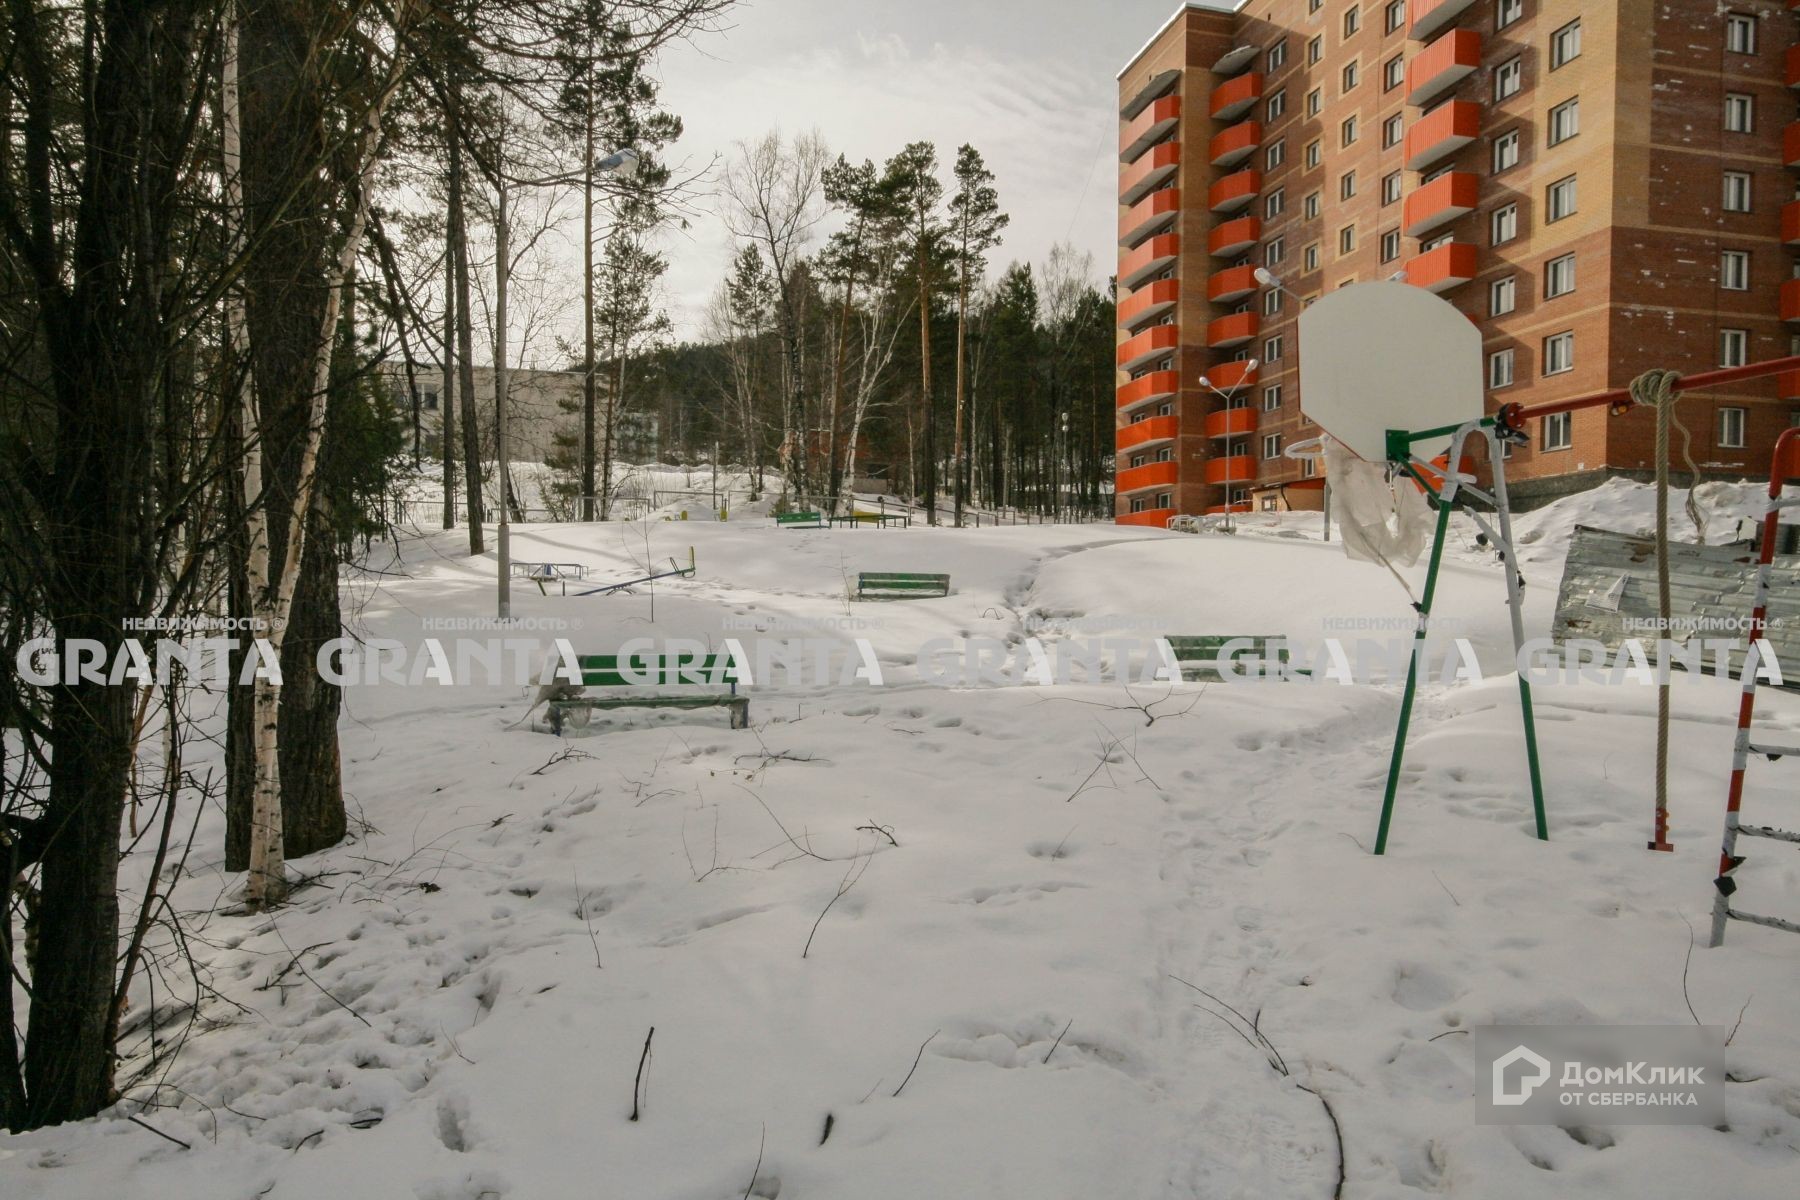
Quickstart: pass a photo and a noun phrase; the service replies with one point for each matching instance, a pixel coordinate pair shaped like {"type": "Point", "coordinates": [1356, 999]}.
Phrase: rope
{"type": "Point", "coordinates": [1657, 389]}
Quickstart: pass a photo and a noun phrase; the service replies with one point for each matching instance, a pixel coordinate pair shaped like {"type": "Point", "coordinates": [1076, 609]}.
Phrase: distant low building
{"type": "Point", "coordinates": [543, 405]}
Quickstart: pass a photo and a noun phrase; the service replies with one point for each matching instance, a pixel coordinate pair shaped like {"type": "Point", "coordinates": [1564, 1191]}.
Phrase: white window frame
{"type": "Point", "coordinates": [1503, 296]}
{"type": "Point", "coordinates": [1509, 78]}
{"type": "Point", "coordinates": [1731, 416]}
{"type": "Point", "coordinates": [1271, 445]}
{"type": "Point", "coordinates": [1350, 77]}
{"type": "Point", "coordinates": [1276, 154]}
{"type": "Point", "coordinates": [1559, 431]}
{"type": "Point", "coordinates": [1734, 347]}
{"type": "Point", "coordinates": [1347, 185]}
{"type": "Point", "coordinates": [1503, 225]}
{"type": "Point", "coordinates": [1390, 245]}
{"type": "Point", "coordinates": [1740, 112]}
{"type": "Point", "coordinates": [1565, 44]}
{"type": "Point", "coordinates": [1560, 199]}
{"type": "Point", "coordinates": [1508, 11]}
{"type": "Point", "coordinates": [1739, 191]}
{"type": "Point", "coordinates": [1393, 186]}
{"type": "Point", "coordinates": [1734, 270]}
{"type": "Point", "coordinates": [1740, 33]}
{"type": "Point", "coordinates": [1559, 353]}
{"type": "Point", "coordinates": [1273, 251]}
{"type": "Point", "coordinates": [1559, 276]}
{"type": "Point", "coordinates": [1565, 121]}
{"type": "Point", "coordinates": [1272, 349]}
{"type": "Point", "coordinates": [1500, 369]}
{"type": "Point", "coordinates": [1392, 131]}
{"type": "Point", "coordinates": [1274, 203]}
{"type": "Point", "coordinates": [1276, 105]}
{"type": "Point", "coordinates": [1393, 73]}
{"type": "Point", "coordinates": [1505, 152]}
{"type": "Point", "coordinates": [1271, 397]}
{"type": "Point", "coordinates": [1277, 56]}
{"type": "Point", "coordinates": [1394, 16]}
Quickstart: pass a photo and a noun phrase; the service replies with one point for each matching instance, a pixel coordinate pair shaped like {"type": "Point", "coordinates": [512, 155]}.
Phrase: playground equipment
{"type": "Point", "coordinates": [675, 571]}
{"type": "Point", "coordinates": [1785, 465]}
{"type": "Point", "coordinates": [1392, 373]}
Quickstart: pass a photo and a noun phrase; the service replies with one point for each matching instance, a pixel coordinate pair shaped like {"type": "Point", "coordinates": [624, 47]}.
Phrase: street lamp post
{"type": "Point", "coordinates": [622, 164]}
{"type": "Point", "coordinates": [1227, 396]}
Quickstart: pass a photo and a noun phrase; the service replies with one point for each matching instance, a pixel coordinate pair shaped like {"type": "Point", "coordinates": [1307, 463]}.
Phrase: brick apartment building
{"type": "Point", "coordinates": [1603, 186]}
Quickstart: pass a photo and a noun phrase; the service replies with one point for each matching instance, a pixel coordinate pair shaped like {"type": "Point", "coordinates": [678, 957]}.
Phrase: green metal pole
{"type": "Point", "coordinates": [1531, 754]}
{"type": "Point", "coordinates": [1412, 676]}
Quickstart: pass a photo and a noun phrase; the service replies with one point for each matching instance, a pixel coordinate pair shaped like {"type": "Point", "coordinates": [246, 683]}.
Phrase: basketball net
{"type": "Point", "coordinates": [1380, 518]}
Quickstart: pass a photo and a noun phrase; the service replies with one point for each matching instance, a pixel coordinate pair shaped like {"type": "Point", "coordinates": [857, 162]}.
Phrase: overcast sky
{"type": "Point", "coordinates": [1031, 83]}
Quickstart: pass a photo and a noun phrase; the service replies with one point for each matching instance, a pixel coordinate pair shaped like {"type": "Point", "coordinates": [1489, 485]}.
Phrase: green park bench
{"type": "Point", "coordinates": [1198, 655]}
{"type": "Point", "coordinates": [897, 585]}
{"type": "Point", "coordinates": [800, 520]}
{"type": "Point", "coordinates": [636, 674]}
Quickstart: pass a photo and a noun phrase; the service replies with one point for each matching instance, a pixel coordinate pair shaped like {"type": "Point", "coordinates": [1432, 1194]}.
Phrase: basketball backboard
{"type": "Point", "coordinates": [1381, 356]}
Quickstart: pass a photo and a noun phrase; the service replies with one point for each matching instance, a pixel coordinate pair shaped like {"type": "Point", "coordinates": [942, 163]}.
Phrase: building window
{"type": "Point", "coordinates": [1565, 44]}
{"type": "Point", "coordinates": [1272, 350]}
{"type": "Point", "coordinates": [1391, 185]}
{"type": "Point", "coordinates": [1391, 131]}
{"type": "Point", "coordinates": [1734, 347]}
{"type": "Point", "coordinates": [1347, 132]}
{"type": "Point", "coordinates": [1315, 48]}
{"type": "Point", "coordinates": [1272, 253]}
{"type": "Point", "coordinates": [1346, 239]}
{"type": "Point", "coordinates": [1501, 295]}
{"type": "Point", "coordinates": [1277, 55]}
{"type": "Point", "coordinates": [1509, 77]}
{"type": "Point", "coordinates": [430, 401]}
{"type": "Point", "coordinates": [1309, 258]}
{"type": "Point", "coordinates": [1394, 17]}
{"type": "Point", "coordinates": [1274, 202]}
{"type": "Point", "coordinates": [1309, 467]}
{"type": "Point", "coordinates": [1351, 75]}
{"type": "Point", "coordinates": [1393, 74]}
{"type": "Point", "coordinates": [1508, 11]}
{"type": "Point", "coordinates": [1740, 33]}
{"type": "Point", "coordinates": [1559, 431]}
{"type": "Point", "coordinates": [1565, 121]}
{"type": "Point", "coordinates": [1740, 112]}
{"type": "Point", "coordinates": [1734, 270]}
{"type": "Point", "coordinates": [1352, 21]}
{"type": "Point", "coordinates": [1276, 154]}
{"type": "Point", "coordinates": [1315, 154]}
{"type": "Point", "coordinates": [1314, 102]}
{"type": "Point", "coordinates": [1310, 206]}
{"type": "Point", "coordinates": [1731, 428]}
{"type": "Point", "coordinates": [1559, 276]}
{"type": "Point", "coordinates": [1277, 104]}
{"type": "Point", "coordinates": [1390, 245]}
{"type": "Point", "coordinates": [1506, 151]}
{"type": "Point", "coordinates": [1271, 302]}
{"type": "Point", "coordinates": [1559, 199]}
{"type": "Point", "coordinates": [1500, 369]}
{"type": "Point", "coordinates": [1504, 224]}
{"type": "Point", "coordinates": [1347, 185]}
{"type": "Point", "coordinates": [1559, 353]}
{"type": "Point", "coordinates": [1271, 399]}
{"type": "Point", "coordinates": [1737, 191]}
{"type": "Point", "coordinates": [1271, 445]}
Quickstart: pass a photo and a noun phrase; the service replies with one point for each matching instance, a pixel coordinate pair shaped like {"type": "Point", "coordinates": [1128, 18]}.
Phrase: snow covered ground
{"type": "Point", "coordinates": [1014, 881]}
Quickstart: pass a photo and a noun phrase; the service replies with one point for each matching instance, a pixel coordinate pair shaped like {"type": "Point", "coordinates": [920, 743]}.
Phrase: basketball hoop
{"type": "Point", "coordinates": [1382, 517]}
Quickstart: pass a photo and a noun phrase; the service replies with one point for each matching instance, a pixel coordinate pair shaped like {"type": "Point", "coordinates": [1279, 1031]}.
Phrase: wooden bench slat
{"type": "Point", "coordinates": [901, 581]}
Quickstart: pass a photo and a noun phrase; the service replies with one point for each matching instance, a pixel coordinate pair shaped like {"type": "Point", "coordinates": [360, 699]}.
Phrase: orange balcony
{"type": "Point", "coordinates": [1150, 429]}
{"type": "Point", "coordinates": [1442, 65]}
{"type": "Point", "coordinates": [1157, 385]}
{"type": "Point", "coordinates": [1157, 164]}
{"type": "Point", "coordinates": [1222, 333]}
{"type": "Point", "coordinates": [1234, 192]}
{"type": "Point", "coordinates": [1787, 384]}
{"type": "Point", "coordinates": [1232, 238]}
{"type": "Point", "coordinates": [1439, 202]}
{"type": "Point", "coordinates": [1158, 341]}
{"type": "Point", "coordinates": [1133, 479]}
{"type": "Point", "coordinates": [1153, 214]}
{"type": "Point", "coordinates": [1143, 130]}
{"type": "Point", "coordinates": [1790, 144]}
{"type": "Point", "coordinates": [1135, 266]}
{"type": "Point", "coordinates": [1790, 223]}
{"type": "Point", "coordinates": [1231, 284]}
{"type": "Point", "coordinates": [1450, 265]}
{"type": "Point", "coordinates": [1155, 518]}
{"type": "Point", "coordinates": [1444, 130]}
{"type": "Point", "coordinates": [1232, 146]}
{"type": "Point", "coordinates": [1219, 510]}
{"type": "Point", "coordinates": [1790, 300]}
{"type": "Point", "coordinates": [1233, 98]}
{"type": "Point", "coordinates": [1234, 468]}
{"type": "Point", "coordinates": [1425, 17]}
{"type": "Point", "coordinates": [1231, 422]}
{"type": "Point", "coordinates": [1792, 68]}
{"type": "Point", "coordinates": [1229, 375]}
{"type": "Point", "coordinates": [1148, 303]}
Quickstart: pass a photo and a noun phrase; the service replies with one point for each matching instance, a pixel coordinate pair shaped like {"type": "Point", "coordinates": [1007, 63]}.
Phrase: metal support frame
{"type": "Point", "coordinates": [1444, 498]}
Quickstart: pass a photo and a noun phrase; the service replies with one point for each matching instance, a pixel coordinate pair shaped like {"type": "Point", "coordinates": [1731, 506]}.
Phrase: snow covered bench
{"type": "Point", "coordinates": [895, 585]}
{"type": "Point", "coordinates": [542, 573]}
{"type": "Point", "coordinates": [635, 674]}
{"type": "Point", "coordinates": [1198, 655]}
{"type": "Point", "coordinates": [800, 520]}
